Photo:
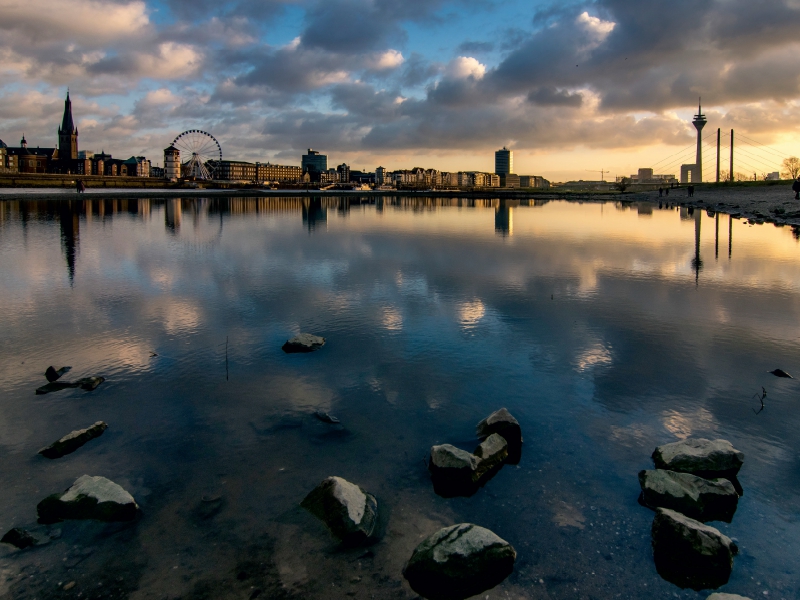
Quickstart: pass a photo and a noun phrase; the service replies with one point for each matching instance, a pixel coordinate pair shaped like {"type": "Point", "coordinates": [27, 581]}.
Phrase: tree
{"type": "Point", "coordinates": [791, 168]}
{"type": "Point", "coordinates": [623, 184]}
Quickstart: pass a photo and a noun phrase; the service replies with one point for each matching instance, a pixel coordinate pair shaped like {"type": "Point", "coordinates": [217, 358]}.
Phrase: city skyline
{"type": "Point", "coordinates": [441, 85]}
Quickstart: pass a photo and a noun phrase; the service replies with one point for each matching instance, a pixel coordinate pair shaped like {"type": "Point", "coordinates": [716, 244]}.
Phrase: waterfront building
{"type": "Point", "coordinates": [504, 161]}
{"type": "Point", "coordinates": [157, 172]}
{"type": "Point", "coordinates": [509, 180]}
{"type": "Point", "coordinates": [381, 176]}
{"type": "Point", "coordinates": [533, 181]}
{"type": "Point", "coordinates": [236, 170]}
{"type": "Point", "coordinates": [327, 177]}
{"type": "Point", "coordinates": [285, 173]}
{"type": "Point", "coordinates": [172, 163]}
{"type": "Point", "coordinates": [3, 156]}
{"type": "Point", "coordinates": [344, 173]}
{"type": "Point", "coordinates": [313, 161]}
{"type": "Point", "coordinates": [30, 160]}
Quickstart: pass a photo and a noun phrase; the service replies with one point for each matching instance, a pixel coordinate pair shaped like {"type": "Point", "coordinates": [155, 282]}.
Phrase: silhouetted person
{"type": "Point", "coordinates": [660, 192]}
{"type": "Point", "coordinates": [690, 191]}
{"type": "Point", "coordinates": [79, 186]}
{"type": "Point", "coordinates": [666, 191]}
{"type": "Point", "coordinates": [796, 188]}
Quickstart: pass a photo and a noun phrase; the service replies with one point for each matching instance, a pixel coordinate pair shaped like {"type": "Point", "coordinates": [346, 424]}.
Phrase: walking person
{"type": "Point", "coordinates": [660, 192]}
{"type": "Point", "coordinates": [796, 188]}
{"type": "Point", "coordinates": [690, 191]}
{"type": "Point", "coordinates": [78, 186]}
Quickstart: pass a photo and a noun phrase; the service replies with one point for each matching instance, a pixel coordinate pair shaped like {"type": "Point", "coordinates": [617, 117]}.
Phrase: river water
{"type": "Point", "coordinates": [606, 329]}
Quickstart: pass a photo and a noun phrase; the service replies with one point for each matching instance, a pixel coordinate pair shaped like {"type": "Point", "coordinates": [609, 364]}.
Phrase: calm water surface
{"type": "Point", "coordinates": [605, 329]}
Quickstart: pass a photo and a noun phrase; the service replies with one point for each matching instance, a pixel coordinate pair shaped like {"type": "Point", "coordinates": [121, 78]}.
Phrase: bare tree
{"type": "Point", "coordinates": [791, 168]}
{"type": "Point", "coordinates": [623, 184]}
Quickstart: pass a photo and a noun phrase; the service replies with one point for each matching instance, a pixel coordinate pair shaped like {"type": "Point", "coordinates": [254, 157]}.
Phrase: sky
{"type": "Point", "coordinates": [571, 87]}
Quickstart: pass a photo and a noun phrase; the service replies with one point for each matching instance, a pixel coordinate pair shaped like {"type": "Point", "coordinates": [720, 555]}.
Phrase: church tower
{"type": "Point", "coordinates": [67, 134]}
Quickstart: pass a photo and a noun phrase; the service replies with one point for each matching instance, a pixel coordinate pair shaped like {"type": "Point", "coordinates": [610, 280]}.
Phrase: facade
{"type": "Point", "coordinates": [30, 160]}
{"type": "Point", "coordinates": [328, 176]}
{"type": "Point", "coordinates": [381, 176]}
{"type": "Point", "coordinates": [690, 174]}
{"type": "Point", "coordinates": [533, 181]}
{"type": "Point", "coordinates": [157, 172]}
{"type": "Point", "coordinates": [236, 170]}
{"type": "Point", "coordinates": [509, 180]}
{"type": "Point", "coordinates": [344, 173]}
{"type": "Point", "coordinates": [504, 161]}
{"type": "Point", "coordinates": [270, 172]}
{"type": "Point", "coordinates": [67, 134]}
{"type": "Point", "coordinates": [3, 156]}
{"type": "Point", "coordinates": [313, 161]}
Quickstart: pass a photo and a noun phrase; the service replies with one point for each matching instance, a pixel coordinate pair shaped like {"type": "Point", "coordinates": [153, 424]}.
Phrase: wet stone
{"type": "Point", "coordinates": [72, 441]}
{"type": "Point", "coordinates": [491, 454]}
{"type": "Point", "coordinates": [689, 553]}
{"type": "Point", "coordinates": [721, 596]}
{"type": "Point", "coordinates": [454, 471]}
{"type": "Point", "coordinates": [52, 374]}
{"type": "Point", "coordinates": [347, 510]}
{"type": "Point", "coordinates": [707, 458]}
{"type": "Point", "coordinates": [303, 342]}
{"type": "Point", "coordinates": [504, 424]}
{"type": "Point", "coordinates": [19, 538]}
{"type": "Point", "coordinates": [459, 561]}
{"type": "Point", "coordinates": [695, 497]}
{"type": "Point", "coordinates": [89, 498]}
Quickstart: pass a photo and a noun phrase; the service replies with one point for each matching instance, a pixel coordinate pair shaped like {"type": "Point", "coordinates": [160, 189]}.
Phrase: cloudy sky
{"type": "Point", "coordinates": [608, 84]}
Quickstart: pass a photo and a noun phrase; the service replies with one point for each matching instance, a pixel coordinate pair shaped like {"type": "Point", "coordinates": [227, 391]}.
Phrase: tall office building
{"type": "Point", "coordinates": [504, 161]}
{"type": "Point", "coordinates": [314, 161]}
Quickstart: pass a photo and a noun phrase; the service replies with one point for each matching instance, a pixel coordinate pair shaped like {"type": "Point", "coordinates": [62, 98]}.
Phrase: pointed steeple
{"type": "Point", "coordinates": [67, 125]}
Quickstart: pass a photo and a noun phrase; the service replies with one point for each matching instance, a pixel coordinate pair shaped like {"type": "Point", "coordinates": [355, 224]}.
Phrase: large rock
{"type": "Point", "coordinates": [492, 452]}
{"type": "Point", "coordinates": [690, 554]}
{"type": "Point", "coordinates": [19, 538]}
{"type": "Point", "coordinates": [454, 471]}
{"type": "Point", "coordinates": [695, 497]}
{"type": "Point", "coordinates": [89, 498]}
{"type": "Point", "coordinates": [72, 441]}
{"type": "Point", "coordinates": [303, 342]}
{"type": "Point", "coordinates": [348, 511]}
{"type": "Point", "coordinates": [502, 423]}
{"type": "Point", "coordinates": [87, 383]}
{"type": "Point", "coordinates": [458, 562]}
{"type": "Point", "coordinates": [708, 458]}
{"type": "Point", "coordinates": [721, 596]}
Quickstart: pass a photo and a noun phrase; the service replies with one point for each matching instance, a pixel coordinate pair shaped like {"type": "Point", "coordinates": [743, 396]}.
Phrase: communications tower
{"type": "Point", "coordinates": [699, 122]}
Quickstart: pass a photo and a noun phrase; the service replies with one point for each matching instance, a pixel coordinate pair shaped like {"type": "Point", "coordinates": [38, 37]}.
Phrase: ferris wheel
{"type": "Point", "coordinates": [201, 154]}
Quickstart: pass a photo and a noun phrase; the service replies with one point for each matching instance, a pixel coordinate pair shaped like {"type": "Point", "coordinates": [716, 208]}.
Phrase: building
{"type": "Point", "coordinates": [774, 176]}
{"type": "Point", "coordinates": [533, 181]}
{"type": "Point", "coordinates": [504, 161]}
{"type": "Point", "coordinates": [236, 170]}
{"type": "Point", "coordinates": [279, 173]}
{"type": "Point", "coordinates": [690, 174]}
{"type": "Point", "coordinates": [344, 173]}
{"type": "Point", "coordinates": [67, 134]}
{"type": "Point", "coordinates": [172, 163]}
{"type": "Point", "coordinates": [648, 176]}
{"type": "Point", "coordinates": [3, 156]}
{"type": "Point", "coordinates": [509, 180]}
{"type": "Point", "coordinates": [381, 176]}
{"type": "Point", "coordinates": [157, 172]}
{"type": "Point", "coordinates": [30, 160]}
{"type": "Point", "coordinates": [313, 161]}
{"type": "Point", "coordinates": [326, 177]}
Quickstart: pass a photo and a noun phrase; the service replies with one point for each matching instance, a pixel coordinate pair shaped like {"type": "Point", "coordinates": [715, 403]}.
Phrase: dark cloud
{"type": "Point", "coordinates": [472, 47]}
{"type": "Point", "coordinates": [550, 96]}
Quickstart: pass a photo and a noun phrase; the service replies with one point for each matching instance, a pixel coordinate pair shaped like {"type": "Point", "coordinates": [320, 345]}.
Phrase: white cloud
{"type": "Point", "coordinates": [465, 66]}
{"type": "Point", "coordinates": [596, 26]}
{"type": "Point", "coordinates": [90, 21]}
{"type": "Point", "coordinates": [391, 59]}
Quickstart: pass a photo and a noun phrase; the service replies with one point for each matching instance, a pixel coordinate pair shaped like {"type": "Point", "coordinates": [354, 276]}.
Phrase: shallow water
{"type": "Point", "coordinates": [605, 329]}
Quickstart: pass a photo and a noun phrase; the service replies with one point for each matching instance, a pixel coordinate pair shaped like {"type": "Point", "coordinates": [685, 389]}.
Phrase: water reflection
{"type": "Point", "coordinates": [606, 329]}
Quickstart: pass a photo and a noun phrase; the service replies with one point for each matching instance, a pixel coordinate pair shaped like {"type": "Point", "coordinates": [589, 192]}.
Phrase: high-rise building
{"type": "Point", "coordinates": [344, 173]}
{"type": "Point", "coordinates": [314, 161]}
{"type": "Point", "coordinates": [504, 161]}
{"type": "Point", "coordinates": [67, 134]}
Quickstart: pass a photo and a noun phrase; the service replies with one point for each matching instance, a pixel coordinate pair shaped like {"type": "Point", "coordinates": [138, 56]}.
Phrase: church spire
{"type": "Point", "coordinates": [67, 125]}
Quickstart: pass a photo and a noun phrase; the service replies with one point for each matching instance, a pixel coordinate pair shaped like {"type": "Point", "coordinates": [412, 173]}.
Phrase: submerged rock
{"type": "Point", "coordinates": [491, 454]}
{"type": "Point", "coordinates": [695, 497]}
{"type": "Point", "coordinates": [87, 383]}
{"type": "Point", "coordinates": [458, 562]}
{"type": "Point", "coordinates": [19, 538]}
{"type": "Point", "coordinates": [721, 596]}
{"type": "Point", "coordinates": [326, 418]}
{"type": "Point", "coordinates": [303, 342]}
{"type": "Point", "coordinates": [72, 441]}
{"type": "Point", "coordinates": [348, 511]}
{"type": "Point", "coordinates": [89, 498]}
{"type": "Point", "coordinates": [710, 458]}
{"type": "Point", "coordinates": [781, 373]}
{"type": "Point", "coordinates": [504, 424]}
{"type": "Point", "coordinates": [52, 374]}
{"type": "Point", "coordinates": [690, 554]}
